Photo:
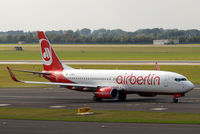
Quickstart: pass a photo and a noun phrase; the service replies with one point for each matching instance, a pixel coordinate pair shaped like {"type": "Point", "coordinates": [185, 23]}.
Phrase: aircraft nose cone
{"type": "Point", "coordinates": [190, 86]}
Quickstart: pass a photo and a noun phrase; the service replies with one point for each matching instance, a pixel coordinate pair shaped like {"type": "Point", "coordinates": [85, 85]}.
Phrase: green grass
{"type": "Point", "coordinates": [191, 72]}
{"type": "Point", "coordinates": [98, 116]}
{"type": "Point", "coordinates": [106, 53]}
{"type": "Point", "coordinates": [6, 81]}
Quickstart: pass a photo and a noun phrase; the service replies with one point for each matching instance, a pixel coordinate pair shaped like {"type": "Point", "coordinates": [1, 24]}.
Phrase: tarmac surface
{"type": "Point", "coordinates": [51, 97]}
{"type": "Point", "coordinates": [62, 127]}
{"type": "Point", "coordinates": [104, 62]}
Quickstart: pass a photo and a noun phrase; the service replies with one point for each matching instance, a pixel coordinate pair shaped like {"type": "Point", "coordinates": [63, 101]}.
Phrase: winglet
{"type": "Point", "coordinates": [157, 66]}
{"type": "Point", "coordinates": [12, 75]}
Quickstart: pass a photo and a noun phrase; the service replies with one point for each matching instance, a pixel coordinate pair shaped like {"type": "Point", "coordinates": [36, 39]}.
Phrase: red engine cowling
{"type": "Point", "coordinates": [106, 93]}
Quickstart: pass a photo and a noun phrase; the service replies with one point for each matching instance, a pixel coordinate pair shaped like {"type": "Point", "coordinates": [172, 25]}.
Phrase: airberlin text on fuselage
{"type": "Point", "coordinates": [150, 79]}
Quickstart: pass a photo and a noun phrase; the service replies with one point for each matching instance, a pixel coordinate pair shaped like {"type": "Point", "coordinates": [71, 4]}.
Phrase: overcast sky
{"type": "Point", "coordinates": [130, 15]}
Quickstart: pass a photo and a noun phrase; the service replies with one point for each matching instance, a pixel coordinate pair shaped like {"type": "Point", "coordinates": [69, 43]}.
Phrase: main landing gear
{"type": "Point", "coordinates": [95, 98]}
{"type": "Point", "coordinates": [176, 96]}
{"type": "Point", "coordinates": [122, 95]}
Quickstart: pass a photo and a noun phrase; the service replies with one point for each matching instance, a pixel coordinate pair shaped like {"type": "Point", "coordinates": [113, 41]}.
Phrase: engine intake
{"type": "Point", "coordinates": [106, 93]}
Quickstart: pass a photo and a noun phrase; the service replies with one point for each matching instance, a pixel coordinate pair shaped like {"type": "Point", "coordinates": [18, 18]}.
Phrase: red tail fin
{"type": "Point", "coordinates": [49, 57]}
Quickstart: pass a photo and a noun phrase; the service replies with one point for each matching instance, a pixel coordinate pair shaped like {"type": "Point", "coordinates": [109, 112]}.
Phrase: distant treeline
{"type": "Point", "coordinates": [104, 36]}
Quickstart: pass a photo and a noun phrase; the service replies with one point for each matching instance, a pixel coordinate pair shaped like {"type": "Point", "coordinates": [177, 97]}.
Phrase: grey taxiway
{"type": "Point", "coordinates": [52, 97]}
{"type": "Point", "coordinates": [62, 127]}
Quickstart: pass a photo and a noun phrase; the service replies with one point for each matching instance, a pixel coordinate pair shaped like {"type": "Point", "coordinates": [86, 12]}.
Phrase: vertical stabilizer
{"type": "Point", "coordinates": [49, 58]}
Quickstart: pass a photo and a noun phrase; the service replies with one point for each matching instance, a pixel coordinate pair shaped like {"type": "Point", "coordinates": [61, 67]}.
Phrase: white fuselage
{"type": "Point", "coordinates": [132, 80]}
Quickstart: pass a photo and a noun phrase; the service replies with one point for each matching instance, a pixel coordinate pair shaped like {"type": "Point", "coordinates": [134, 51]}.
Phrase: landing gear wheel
{"type": "Point", "coordinates": [175, 100]}
{"type": "Point", "coordinates": [122, 96]}
{"type": "Point", "coordinates": [95, 98]}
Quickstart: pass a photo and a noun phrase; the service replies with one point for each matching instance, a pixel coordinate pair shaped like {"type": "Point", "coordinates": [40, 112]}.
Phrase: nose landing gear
{"type": "Point", "coordinates": [175, 100]}
{"type": "Point", "coordinates": [176, 96]}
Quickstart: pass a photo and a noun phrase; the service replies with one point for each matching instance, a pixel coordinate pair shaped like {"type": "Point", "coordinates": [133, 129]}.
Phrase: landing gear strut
{"type": "Point", "coordinates": [176, 96]}
{"type": "Point", "coordinates": [95, 98]}
{"type": "Point", "coordinates": [122, 95]}
{"type": "Point", "coordinates": [175, 100]}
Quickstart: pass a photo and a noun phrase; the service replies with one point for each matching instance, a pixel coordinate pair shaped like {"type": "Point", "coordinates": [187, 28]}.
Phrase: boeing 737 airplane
{"type": "Point", "coordinates": [108, 84]}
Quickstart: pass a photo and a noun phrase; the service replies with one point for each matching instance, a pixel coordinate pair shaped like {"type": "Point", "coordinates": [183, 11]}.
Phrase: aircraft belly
{"type": "Point", "coordinates": [153, 89]}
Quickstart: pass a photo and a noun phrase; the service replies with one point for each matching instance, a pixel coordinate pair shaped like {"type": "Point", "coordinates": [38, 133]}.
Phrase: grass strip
{"type": "Point", "coordinates": [98, 116]}
{"type": "Point", "coordinates": [106, 53]}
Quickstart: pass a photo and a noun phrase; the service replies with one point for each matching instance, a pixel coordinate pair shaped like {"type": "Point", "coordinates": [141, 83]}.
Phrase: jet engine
{"type": "Point", "coordinates": [106, 93]}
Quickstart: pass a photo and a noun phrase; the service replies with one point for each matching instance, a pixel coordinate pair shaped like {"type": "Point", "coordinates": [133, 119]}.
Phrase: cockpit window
{"type": "Point", "coordinates": [180, 79]}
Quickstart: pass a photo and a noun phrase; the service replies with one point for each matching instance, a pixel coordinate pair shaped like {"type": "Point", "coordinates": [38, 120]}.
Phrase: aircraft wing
{"type": "Point", "coordinates": [51, 83]}
{"type": "Point", "coordinates": [33, 72]}
{"type": "Point", "coordinates": [60, 84]}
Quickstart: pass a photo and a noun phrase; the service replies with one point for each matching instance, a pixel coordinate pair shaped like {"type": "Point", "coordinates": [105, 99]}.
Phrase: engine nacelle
{"type": "Point", "coordinates": [106, 93]}
{"type": "Point", "coordinates": [147, 95]}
